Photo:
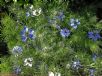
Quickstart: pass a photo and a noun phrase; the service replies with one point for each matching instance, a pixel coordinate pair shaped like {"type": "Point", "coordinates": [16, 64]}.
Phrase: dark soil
{"type": "Point", "coordinates": [3, 49]}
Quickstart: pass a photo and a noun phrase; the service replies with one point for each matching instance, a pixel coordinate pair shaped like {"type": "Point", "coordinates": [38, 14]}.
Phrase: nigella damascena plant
{"type": "Point", "coordinates": [76, 64]}
{"type": "Point", "coordinates": [94, 35]}
{"type": "Point", "coordinates": [17, 50]}
{"type": "Point", "coordinates": [74, 23]}
{"type": "Point", "coordinates": [27, 33]}
{"type": "Point", "coordinates": [64, 32]}
{"type": "Point", "coordinates": [28, 62]}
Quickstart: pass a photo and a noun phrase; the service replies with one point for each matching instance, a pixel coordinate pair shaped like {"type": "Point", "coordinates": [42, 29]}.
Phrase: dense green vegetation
{"type": "Point", "coordinates": [46, 37]}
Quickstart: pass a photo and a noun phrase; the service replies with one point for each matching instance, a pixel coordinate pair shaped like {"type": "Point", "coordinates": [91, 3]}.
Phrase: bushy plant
{"type": "Point", "coordinates": [48, 39]}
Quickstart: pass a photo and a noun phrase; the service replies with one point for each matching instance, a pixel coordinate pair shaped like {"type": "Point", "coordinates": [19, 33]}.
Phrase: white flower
{"type": "Point", "coordinates": [57, 74]}
{"type": "Point", "coordinates": [54, 74]}
{"type": "Point", "coordinates": [36, 12]}
{"type": "Point", "coordinates": [28, 62]}
{"type": "Point", "coordinates": [15, 0]}
{"type": "Point", "coordinates": [17, 50]}
{"type": "Point", "coordinates": [68, 66]}
{"type": "Point", "coordinates": [50, 74]}
{"type": "Point", "coordinates": [39, 10]}
{"type": "Point", "coordinates": [31, 7]}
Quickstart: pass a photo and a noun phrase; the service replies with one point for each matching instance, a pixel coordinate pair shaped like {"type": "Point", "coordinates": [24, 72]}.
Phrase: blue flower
{"type": "Point", "coordinates": [90, 34]}
{"type": "Point", "coordinates": [24, 38]}
{"type": "Point", "coordinates": [74, 23]}
{"type": "Point", "coordinates": [27, 14]}
{"type": "Point", "coordinates": [91, 70]}
{"type": "Point", "coordinates": [25, 30]}
{"type": "Point", "coordinates": [94, 36]}
{"type": "Point", "coordinates": [27, 33]}
{"type": "Point", "coordinates": [60, 16]}
{"type": "Point", "coordinates": [65, 32]}
{"type": "Point", "coordinates": [31, 34]}
{"type": "Point", "coordinates": [17, 50]}
{"type": "Point", "coordinates": [76, 64]}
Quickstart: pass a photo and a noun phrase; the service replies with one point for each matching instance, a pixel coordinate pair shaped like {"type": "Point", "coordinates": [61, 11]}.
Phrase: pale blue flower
{"type": "Point", "coordinates": [60, 16]}
{"type": "Point", "coordinates": [17, 50]}
{"type": "Point", "coordinates": [24, 38]}
{"type": "Point", "coordinates": [65, 32]}
{"type": "Point", "coordinates": [74, 23]}
{"type": "Point", "coordinates": [27, 14]}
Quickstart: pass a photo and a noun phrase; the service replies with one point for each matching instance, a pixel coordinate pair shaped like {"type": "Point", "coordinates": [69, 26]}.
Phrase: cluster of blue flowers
{"type": "Point", "coordinates": [74, 23]}
{"type": "Point", "coordinates": [64, 32]}
{"type": "Point", "coordinates": [27, 33]}
{"type": "Point", "coordinates": [77, 65]}
{"type": "Point", "coordinates": [94, 36]}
